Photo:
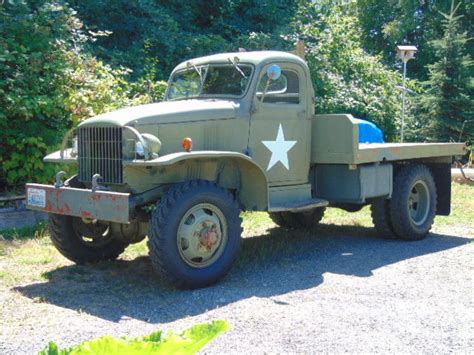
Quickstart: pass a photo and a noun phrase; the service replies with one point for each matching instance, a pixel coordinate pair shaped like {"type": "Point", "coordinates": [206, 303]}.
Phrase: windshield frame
{"type": "Point", "coordinates": [206, 66]}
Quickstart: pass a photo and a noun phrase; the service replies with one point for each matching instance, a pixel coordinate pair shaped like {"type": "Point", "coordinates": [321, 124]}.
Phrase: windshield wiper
{"type": "Point", "coordinates": [199, 71]}
{"type": "Point", "coordinates": [236, 66]}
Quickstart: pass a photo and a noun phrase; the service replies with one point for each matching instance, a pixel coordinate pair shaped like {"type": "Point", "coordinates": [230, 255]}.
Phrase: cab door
{"type": "Point", "coordinates": [280, 127]}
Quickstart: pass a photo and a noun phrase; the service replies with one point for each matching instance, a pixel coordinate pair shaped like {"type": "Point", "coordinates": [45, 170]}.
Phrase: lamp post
{"type": "Point", "coordinates": [405, 53]}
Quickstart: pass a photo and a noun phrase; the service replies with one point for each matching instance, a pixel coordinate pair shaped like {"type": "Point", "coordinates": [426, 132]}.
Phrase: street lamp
{"type": "Point", "coordinates": [405, 53]}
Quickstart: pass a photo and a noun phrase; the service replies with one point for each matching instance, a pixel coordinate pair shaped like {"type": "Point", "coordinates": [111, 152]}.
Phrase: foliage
{"type": "Point", "coordinates": [31, 98]}
{"type": "Point", "coordinates": [345, 76]}
{"type": "Point", "coordinates": [94, 88]}
{"type": "Point", "coordinates": [173, 30]}
{"type": "Point", "coordinates": [63, 62]}
{"type": "Point", "coordinates": [388, 23]}
{"type": "Point", "coordinates": [448, 103]}
{"type": "Point", "coordinates": [48, 83]}
{"type": "Point", "coordinates": [188, 342]}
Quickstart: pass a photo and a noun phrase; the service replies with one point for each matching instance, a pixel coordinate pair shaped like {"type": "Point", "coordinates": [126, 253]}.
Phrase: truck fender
{"type": "Point", "coordinates": [230, 170]}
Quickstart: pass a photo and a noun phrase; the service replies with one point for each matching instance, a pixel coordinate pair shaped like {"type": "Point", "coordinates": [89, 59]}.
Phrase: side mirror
{"type": "Point", "coordinates": [274, 72]}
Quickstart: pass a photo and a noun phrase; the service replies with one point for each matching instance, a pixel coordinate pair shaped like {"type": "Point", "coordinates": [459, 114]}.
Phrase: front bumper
{"type": "Point", "coordinates": [85, 203]}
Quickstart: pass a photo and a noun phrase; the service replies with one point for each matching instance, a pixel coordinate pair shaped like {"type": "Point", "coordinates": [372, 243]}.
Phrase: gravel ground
{"type": "Point", "coordinates": [329, 294]}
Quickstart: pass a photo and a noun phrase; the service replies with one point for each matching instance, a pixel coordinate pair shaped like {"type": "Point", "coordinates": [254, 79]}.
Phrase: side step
{"type": "Point", "coordinates": [294, 198]}
{"type": "Point", "coordinates": [300, 206]}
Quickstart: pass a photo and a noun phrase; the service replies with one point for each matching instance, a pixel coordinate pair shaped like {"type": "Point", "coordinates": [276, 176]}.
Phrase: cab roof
{"type": "Point", "coordinates": [256, 58]}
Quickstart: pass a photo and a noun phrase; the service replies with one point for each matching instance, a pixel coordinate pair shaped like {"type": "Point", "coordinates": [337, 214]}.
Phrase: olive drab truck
{"type": "Point", "coordinates": [235, 132]}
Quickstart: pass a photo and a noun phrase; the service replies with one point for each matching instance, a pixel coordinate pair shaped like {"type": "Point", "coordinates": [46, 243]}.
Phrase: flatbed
{"type": "Point", "coordinates": [343, 146]}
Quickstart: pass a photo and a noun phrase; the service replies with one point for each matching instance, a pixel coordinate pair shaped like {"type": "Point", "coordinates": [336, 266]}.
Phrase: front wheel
{"type": "Point", "coordinates": [195, 234]}
{"type": "Point", "coordinates": [84, 241]}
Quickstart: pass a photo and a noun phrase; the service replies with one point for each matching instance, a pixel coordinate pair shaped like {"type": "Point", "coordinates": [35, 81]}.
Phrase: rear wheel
{"type": "Point", "coordinates": [305, 219]}
{"type": "Point", "coordinates": [83, 241]}
{"type": "Point", "coordinates": [413, 203]}
{"type": "Point", "coordinates": [380, 210]}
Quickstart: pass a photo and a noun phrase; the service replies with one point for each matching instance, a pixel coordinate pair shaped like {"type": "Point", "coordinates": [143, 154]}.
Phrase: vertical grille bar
{"type": "Point", "coordinates": [120, 146]}
{"type": "Point", "coordinates": [114, 152]}
{"type": "Point", "coordinates": [100, 152]}
{"type": "Point", "coordinates": [107, 153]}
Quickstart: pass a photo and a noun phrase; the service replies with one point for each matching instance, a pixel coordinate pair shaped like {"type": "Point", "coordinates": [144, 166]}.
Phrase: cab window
{"type": "Point", "coordinates": [285, 90]}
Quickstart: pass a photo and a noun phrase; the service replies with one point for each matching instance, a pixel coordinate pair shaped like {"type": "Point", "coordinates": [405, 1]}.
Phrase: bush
{"type": "Point", "coordinates": [48, 83]}
{"type": "Point", "coordinates": [32, 112]}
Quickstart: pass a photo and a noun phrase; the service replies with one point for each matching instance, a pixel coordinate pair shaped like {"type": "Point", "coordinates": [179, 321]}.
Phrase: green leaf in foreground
{"type": "Point", "coordinates": [188, 342]}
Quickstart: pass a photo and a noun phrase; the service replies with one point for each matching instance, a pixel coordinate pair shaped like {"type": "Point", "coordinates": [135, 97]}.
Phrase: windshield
{"type": "Point", "coordinates": [212, 80]}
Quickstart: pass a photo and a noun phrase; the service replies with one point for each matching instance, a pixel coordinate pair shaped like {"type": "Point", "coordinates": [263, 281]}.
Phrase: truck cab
{"type": "Point", "coordinates": [236, 131]}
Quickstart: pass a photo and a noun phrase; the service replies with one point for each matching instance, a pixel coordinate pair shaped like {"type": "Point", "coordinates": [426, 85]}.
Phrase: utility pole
{"type": "Point", "coordinates": [405, 53]}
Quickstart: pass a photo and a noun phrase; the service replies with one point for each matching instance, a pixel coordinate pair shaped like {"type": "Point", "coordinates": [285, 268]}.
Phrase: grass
{"type": "Point", "coordinates": [28, 256]}
{"type": "Point", "coordinates": [38, 231]}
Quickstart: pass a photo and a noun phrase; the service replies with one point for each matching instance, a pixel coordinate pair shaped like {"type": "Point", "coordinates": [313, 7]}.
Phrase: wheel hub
{"type": "Point", "coordinates": [92, 233]}
{"type": "Point", "coordinates": [209, 236]}
{"type": "Point", "coordinates": [419, 203]}
{"type": "Point", "coordinates": [200, 235]}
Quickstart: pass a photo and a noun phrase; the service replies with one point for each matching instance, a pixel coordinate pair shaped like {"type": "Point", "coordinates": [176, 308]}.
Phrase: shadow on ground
{"type": "Point", "coordinates": [271, 264]}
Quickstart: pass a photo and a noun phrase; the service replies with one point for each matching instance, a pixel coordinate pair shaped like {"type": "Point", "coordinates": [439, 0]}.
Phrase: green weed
{"type": "Point", "coordinates": [188, 342]}
{"type": "Point", "coordinates": [38, 231]}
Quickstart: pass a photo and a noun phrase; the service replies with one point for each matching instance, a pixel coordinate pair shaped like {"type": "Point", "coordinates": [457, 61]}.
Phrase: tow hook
{"type": "Point", "coordinates": [95, 183]}
{"type": "Point", "coordinates": [59, 179]}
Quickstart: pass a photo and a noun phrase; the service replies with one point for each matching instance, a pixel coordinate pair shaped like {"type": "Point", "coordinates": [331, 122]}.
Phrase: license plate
{"type": "Point", "coordinates": [36, 197]}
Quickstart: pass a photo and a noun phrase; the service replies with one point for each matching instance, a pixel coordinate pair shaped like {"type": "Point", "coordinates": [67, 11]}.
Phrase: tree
{"type": "Point", "coordinates": [174, 30]}
{"type": "Point", "coordinates": [448, 100]}
{"type": "Point", "coordinates": [388, 23]}
{"type": "Point", "coordinates": [346, 78]}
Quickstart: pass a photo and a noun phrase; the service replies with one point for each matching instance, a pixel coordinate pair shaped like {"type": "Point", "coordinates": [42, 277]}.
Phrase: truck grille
{"type": "Point", "coordinates": [100, 152]}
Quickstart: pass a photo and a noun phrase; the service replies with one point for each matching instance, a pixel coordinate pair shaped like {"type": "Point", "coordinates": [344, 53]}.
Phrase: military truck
{"type": "Point", "coordinates": [235, 132]}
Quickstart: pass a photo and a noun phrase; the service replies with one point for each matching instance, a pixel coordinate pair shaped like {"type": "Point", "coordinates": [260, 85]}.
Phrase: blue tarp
{"type": "Point", "coordinates": [369, 132]}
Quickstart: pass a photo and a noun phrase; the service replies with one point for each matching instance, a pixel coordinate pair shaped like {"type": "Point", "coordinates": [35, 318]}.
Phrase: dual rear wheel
{"type": "Point", "coordinates": [296, 220]}
{"type": "Point", "coordinates": [410, 213]}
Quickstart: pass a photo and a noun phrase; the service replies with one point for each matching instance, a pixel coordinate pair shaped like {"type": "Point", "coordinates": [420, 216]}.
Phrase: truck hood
{"type": "Point", "coordinates": [167, 112]}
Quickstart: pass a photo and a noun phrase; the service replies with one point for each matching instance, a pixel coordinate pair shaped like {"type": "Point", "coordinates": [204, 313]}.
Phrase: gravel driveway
{"type": "Point", "coordinates": [330, 293]}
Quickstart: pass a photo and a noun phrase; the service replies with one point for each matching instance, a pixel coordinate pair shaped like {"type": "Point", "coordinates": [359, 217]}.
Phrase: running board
{"type": "Point", "coordinates": [293, 198]}
{"type": "Point", "coordinates": [300, 206]}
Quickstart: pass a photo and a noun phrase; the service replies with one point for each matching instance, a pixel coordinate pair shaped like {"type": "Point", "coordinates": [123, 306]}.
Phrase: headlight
{"type": "Point", "coordinates": [139, 149]}
{"type": "Point", "coordinates": [152, 143]}
{"type": "Point", "coordinates": [75, 148]}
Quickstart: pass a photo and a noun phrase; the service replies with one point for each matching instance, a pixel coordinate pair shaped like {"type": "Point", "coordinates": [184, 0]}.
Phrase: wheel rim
{"type": "Point", "coordinates": [93, 234]}
{"type": "Point", "coordinates": [419, 203]}
{"type": "Point", "coordinates": [202, 235]}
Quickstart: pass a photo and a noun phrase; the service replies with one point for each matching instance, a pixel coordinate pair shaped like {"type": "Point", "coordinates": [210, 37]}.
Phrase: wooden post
{"type": "Point", "coordinates": [300, 49]}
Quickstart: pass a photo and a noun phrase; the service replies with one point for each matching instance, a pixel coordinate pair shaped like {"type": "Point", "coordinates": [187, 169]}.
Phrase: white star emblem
{"type": "Point", "coordinates": [279, 149]}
